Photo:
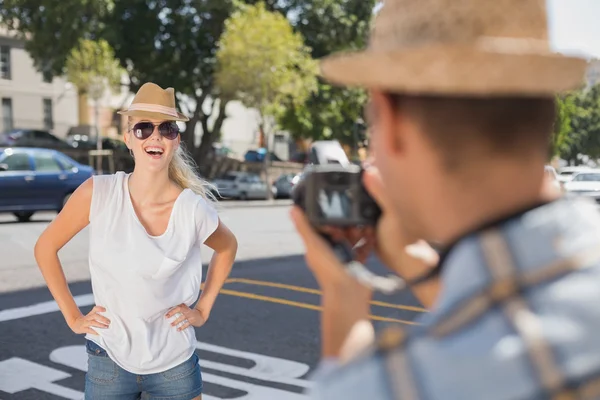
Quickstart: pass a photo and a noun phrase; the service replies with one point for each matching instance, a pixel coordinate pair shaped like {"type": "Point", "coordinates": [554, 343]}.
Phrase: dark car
{"type": "Point", "coordinates": [32, 138]}
{"type": "Point", "coordinates": [33, 179]}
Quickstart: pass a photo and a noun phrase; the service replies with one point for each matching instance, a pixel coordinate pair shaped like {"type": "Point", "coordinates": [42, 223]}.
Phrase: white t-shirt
{"type": "Point", "coordinates": [138, 278]}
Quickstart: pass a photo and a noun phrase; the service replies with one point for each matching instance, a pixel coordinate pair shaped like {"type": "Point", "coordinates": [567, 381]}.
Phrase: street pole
{"type": "Point", "coordinates": [98, 137]}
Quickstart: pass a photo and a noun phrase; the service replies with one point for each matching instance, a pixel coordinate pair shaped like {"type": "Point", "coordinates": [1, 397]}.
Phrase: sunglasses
{"type": "Point", "coordinates": [168, 130]}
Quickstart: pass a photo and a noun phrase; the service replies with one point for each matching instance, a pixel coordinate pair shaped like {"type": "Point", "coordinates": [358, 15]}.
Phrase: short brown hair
{"type": "Point", "coordinates": [462, 128]}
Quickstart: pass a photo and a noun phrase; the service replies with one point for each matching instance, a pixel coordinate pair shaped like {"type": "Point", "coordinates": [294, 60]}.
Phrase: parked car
{"type": "Point", "coordinates": [32, 138]}
{"type": "Point", "coordinates": [565, 174]}
{"type": "Point", "coordinates": [34, 179]}
{"type": "Point", "coordinates": [241, 185]}
{"type": "Point", "coordinates": [553, 177]}
{"type": "Point", "coordinates": [89, 143]}
{"type": "Point", "coordinates": [282, 187]}
{"type": "Point", "coordinates": [585, 184]}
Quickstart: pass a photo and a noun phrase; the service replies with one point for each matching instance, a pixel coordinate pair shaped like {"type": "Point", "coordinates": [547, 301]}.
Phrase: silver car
{"type": "Point", "coordinates": [241, 185]}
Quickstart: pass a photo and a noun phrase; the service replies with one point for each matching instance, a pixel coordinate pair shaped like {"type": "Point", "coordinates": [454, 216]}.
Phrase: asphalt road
{"type": "Point", "coordinates": [262, 340]}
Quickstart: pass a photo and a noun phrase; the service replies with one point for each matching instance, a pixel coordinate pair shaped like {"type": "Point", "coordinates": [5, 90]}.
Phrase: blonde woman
{"type": "Point", "coordinates": [146, 232]}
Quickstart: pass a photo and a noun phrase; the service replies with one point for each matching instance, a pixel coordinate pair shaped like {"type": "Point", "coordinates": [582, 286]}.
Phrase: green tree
{"type": "Point", "coordinates": [563, 139]}
{"type": "Point", "coordinates": [264, 63]}
{"type": "Point", "coordinates": [330, 26]}
{"type": "Point", "coordinates": [92, 68]}
{"type": "Point", "coordinates": [170, 42]}
{"type": "Point", "coordinates": [578, 125]}
{"type": "Point", "coordinates": [51, 29]}
{"type": "Point", "coordinates": [174, 43]}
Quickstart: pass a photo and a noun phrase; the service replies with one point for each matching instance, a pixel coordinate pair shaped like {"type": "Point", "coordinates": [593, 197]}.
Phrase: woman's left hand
{"type": "Point", "coordinates": [187, 317]}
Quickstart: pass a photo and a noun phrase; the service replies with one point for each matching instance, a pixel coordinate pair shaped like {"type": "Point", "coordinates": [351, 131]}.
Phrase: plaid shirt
{"type": "Point", "coordinates": [518, 318]}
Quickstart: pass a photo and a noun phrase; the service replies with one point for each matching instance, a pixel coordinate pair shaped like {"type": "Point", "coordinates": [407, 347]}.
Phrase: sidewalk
{"type": "Point", "coordinates": [255, 203]}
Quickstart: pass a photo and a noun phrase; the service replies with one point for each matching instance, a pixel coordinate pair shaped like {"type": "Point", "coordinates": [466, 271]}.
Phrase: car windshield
{"type": "Point", "coordinates": [228, 177]}
{"type": "Point", "coordinates": [587, 178]}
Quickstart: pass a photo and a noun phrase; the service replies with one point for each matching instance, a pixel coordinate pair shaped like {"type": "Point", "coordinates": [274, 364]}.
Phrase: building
{"type": "Point", "coordinates": [27, 99]}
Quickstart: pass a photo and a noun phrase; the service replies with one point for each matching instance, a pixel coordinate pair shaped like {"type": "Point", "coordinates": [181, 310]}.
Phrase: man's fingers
{"type": "Point", "coordinates": [374, 185]}
{"type": "Point", "coordinates": [304, 228]}
{"type": "Point", "coordinates": [98, 309]}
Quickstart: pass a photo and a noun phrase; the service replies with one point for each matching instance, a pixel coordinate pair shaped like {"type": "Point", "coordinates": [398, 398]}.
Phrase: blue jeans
{"type": "Point", "coordinates": [105, 380]}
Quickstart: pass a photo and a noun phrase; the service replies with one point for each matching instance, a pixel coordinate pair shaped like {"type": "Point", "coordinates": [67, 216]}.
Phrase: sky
{"type": "Point", "coordinates": [575, 26]}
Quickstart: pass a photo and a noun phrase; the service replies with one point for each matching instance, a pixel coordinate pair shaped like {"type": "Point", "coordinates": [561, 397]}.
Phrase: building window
{"type": "Point", "coordinates": [7, 115]}
{"type": "Point", "coordinates": [4, 62]}
{"type": "Point", "coordinates": [48, 121]}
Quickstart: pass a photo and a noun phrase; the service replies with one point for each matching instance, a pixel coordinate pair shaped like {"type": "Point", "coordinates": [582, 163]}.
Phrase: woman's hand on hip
{"type": "Point", "coordinates": [86, 323]}
{"type": "Point", "coordinates": [186, 317]}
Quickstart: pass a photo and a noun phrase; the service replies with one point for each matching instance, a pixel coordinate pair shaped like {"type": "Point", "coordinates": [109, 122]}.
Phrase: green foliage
{"type": "Point", "coordinates": [577, 130]}
{"type": "Point", "coordinates": [53, 28]}
{"type": "Point", "coordinates": [329, 26]}
{"type": "Point", "coordinates": [263, 62]}
{"type": "Point", "coordinates": [563, 137]}
{"type": "Point", "coordinates": [92, 68]}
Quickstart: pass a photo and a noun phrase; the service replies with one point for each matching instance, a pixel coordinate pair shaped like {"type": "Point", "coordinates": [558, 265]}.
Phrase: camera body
{"type": "Point", "coordinates": [333, 194]}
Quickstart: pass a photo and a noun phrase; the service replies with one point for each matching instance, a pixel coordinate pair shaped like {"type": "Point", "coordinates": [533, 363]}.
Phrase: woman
{"type": "Point", "coordinates": [146, 231]}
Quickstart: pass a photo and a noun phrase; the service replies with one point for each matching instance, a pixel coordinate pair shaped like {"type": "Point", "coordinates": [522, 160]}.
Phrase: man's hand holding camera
{"type": "Point", "coordinates": [346, 301]}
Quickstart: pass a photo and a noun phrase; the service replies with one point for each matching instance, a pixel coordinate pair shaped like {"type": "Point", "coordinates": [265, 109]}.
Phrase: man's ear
{"type": "Point", "coordinates": [385, 118]}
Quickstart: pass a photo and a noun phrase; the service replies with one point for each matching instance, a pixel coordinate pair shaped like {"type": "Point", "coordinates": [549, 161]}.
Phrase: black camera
{"type": "Point", "coordinates": [332, 193]}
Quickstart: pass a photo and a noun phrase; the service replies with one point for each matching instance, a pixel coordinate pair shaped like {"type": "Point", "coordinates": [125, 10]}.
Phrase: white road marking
{"type": "Point", "coordinates": [42, 308]}
{"type": "Point", "coordinates": [17, 374]}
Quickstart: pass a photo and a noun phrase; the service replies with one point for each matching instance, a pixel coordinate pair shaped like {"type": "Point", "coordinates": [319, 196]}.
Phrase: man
{"type": "Point", "coordinates": [461, 116]}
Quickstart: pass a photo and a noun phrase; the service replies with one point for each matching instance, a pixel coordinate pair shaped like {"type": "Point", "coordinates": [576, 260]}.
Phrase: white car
{"type": "Point", "coordinates": [241, 185]}
{"type": "Point", "coordinates": [585, 184]}
{"type": "Point", "coordinates": [565, 174]}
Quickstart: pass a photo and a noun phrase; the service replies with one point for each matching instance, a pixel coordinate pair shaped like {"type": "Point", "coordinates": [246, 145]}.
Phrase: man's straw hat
{"type": "Point", "coordinates": [459, 47]}
{"type": "Point", "coordinates": [152, 101]}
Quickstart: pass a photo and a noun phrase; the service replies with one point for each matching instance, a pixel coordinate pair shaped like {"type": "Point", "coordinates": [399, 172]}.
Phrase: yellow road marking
{"type": "Point", "coordinates": [318, 292]}
{"type": "Point", "coordinates": [300, 304]}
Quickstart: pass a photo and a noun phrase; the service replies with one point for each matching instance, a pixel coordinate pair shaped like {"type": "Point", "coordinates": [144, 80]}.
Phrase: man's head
{"type": "Point", "coordinates": [429, 148]}
{"type": "Point", "coordinates": [461, 100]}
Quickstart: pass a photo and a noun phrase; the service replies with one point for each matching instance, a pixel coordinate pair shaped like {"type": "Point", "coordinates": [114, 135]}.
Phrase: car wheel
{"type": "Point", "coordinates": [24, 216]}
{"type": "Point", "coordinates": [243, 196]}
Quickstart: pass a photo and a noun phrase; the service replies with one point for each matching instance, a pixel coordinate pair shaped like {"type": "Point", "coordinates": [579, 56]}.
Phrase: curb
{"type": "Point", "coordinates": [255, 204]}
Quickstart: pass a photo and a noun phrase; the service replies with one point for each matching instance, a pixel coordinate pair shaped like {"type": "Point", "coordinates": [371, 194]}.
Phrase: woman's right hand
{"type": "Point", "coordinates": [86, 323]}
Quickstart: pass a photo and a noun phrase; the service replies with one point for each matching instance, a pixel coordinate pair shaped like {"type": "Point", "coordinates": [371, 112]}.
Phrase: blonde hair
{"type": "Point", "coordinates": [182, 172]}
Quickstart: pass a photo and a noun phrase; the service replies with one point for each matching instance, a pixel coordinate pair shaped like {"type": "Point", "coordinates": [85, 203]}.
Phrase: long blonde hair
{"type": "Point", "coordinates": [182, 172]}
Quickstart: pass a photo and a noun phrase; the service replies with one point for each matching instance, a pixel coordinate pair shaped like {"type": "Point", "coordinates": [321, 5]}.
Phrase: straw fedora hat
{"type": "Point", "coordinates": [152, 101]}
{"type": "Point", "coordinates": [459, 47]}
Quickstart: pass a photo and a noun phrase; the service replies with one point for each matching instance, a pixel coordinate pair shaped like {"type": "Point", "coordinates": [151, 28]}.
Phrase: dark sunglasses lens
{"type": "Point", "coordinates": [143, 130]}
{"type": "Point", "coordinates": [169, 130]}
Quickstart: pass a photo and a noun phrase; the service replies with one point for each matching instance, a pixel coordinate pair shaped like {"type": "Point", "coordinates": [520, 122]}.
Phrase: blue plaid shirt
{"type": "Point", "coordinates": [518, 318]}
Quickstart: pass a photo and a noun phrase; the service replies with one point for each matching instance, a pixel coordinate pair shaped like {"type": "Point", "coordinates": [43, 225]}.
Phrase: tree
{"type": "Point", "coordinates": [330, 26]}
{"type": "Point", "coordinates": [52, 30]}
{"type": "Point", "coordinates": [263, 63]}
{"type": "Point", "coordinates": [577, 131]}
{"type": "Point", "coordinates": [92, 68]}
{"type": "Point", "coordinates": [174, 43]}
{"type": "Point", "coordinates": [563, 139]}
{"type": "Point", "coordinates": [170, 42]}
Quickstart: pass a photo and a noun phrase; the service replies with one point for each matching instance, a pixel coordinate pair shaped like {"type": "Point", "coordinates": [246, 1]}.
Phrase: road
{"type": "Point", "coordinates": [261, 342]}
